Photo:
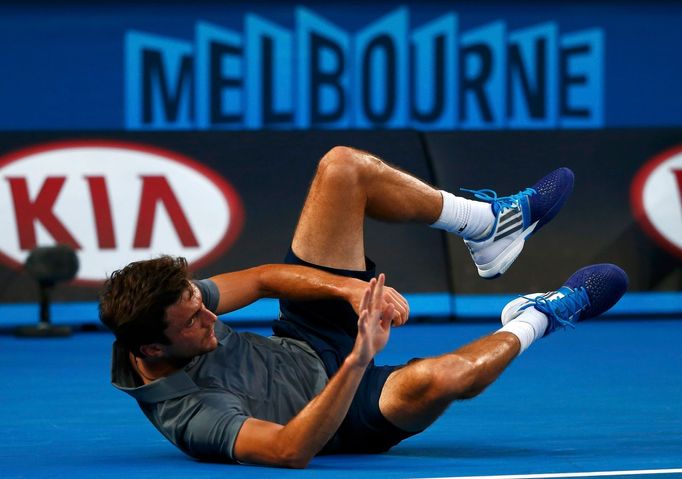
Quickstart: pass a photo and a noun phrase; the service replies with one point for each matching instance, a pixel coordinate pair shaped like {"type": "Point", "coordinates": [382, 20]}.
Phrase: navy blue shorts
{"type": "Point", "coordinates": [330, 327]}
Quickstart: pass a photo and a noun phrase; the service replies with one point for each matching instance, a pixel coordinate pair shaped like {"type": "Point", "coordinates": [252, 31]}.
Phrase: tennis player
{"type": "Point", "coordinates": [313, 387]}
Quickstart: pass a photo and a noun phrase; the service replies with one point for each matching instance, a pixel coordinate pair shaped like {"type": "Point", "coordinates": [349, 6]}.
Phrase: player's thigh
{"type": "Point", "coordinates": [331, 226]}
{"type": "Point", "coordinates": [414, 396]}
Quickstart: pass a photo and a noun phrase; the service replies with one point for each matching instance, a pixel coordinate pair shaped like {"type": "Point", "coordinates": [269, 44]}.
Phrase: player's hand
{"type": "Point", "coordinates": [374, 323]}
{"type": "Point", "coordinates": [390, 297]}
{"type": "Point", "coordinates": [400, 305]}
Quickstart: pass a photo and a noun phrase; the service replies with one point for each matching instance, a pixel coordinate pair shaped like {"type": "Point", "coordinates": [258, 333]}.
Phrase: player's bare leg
{"type": "Point", "coordinates": [416, 395]}
{"type": "Point", "coordinates": [348, 185]}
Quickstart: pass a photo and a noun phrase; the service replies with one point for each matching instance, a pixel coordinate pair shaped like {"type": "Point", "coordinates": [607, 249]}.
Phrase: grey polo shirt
{"type": "Point", "coordinates": [202, 407]}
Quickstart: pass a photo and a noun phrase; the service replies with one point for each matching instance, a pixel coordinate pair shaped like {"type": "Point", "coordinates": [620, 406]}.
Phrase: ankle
{"type": "Point", "coordinates": [528, 327]}
{"type": "Point", "coordinates": [467, 218]}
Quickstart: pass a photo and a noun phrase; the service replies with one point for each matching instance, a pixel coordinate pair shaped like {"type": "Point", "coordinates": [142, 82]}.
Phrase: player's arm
{"type": "Point", "coordinates": [295, 444]}
{"type": "Point", "coordinates": [241, 288]}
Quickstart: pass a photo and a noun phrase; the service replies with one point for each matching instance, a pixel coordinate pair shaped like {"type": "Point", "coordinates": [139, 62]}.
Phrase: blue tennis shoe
{"type": "Point", "coordinates": [589, 292]}
{"type": "Point", "coordinates": [516, 218]}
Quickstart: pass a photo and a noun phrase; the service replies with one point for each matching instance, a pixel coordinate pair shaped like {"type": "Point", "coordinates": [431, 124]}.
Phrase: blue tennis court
{"type": "Point", "coordinates": [600, 399]}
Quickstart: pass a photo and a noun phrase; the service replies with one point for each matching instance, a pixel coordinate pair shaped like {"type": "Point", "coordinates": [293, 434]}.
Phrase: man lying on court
{"type": "Point", "coordinates": [313, 387]}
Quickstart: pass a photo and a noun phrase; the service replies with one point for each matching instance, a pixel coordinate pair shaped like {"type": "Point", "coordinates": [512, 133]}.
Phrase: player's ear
{"type": "Point", "coordinates": [153, 350]}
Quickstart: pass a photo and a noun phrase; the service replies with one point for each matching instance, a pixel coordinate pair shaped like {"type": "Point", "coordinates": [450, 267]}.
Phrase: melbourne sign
{"type": "Point", "coordinates": [386, 74]}
{"type": "Point", "coordinates": [114, 203]}
{"type": "Point", "coordinates": [656, 196]}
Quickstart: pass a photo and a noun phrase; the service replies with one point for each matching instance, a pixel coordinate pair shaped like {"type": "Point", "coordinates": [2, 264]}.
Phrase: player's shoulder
{"type": "Point", "coordinates": [210, 294]}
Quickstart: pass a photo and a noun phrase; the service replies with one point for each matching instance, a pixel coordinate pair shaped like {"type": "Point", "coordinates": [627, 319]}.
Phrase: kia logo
{"type": "Point", "coordinates": [114, 202]}
{"type": "Point", "coordinates": [656, 196]}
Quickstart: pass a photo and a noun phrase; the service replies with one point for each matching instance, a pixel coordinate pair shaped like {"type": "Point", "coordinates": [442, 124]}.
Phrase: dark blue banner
{"type": "Point", "coordinates": [426, 65]}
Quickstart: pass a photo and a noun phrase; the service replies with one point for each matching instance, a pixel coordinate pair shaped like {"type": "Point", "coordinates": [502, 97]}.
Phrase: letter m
{"type": "Point", "coordinates": [159, 83]}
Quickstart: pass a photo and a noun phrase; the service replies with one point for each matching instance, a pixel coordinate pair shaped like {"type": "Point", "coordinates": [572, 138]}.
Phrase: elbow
{"type": "Point", "coordinates": [297, 464]}
{"type": "Point", "coordinates": [294, 461]}
{"type": "Point", "coordinates": [294, 458]}
{"type": "Point", "coordinates": [274, 458]}
{"type": "Point", "coordinates": [294, 448]}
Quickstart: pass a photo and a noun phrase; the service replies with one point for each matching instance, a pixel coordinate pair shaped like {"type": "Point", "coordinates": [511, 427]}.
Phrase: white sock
{"type": "Point", "coordinates": [528, 327]}
{"type": "Point", "coordinates": [467, 218]}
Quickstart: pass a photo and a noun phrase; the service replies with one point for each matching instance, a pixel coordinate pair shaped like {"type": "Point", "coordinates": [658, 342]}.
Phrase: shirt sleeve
{"type": "Point", "coordinates": [214, 425]}
{"type": "Point", "coordinates": [209, 293]}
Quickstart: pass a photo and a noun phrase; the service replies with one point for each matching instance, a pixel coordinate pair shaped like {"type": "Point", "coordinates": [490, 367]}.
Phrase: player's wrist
{"type": "Point", "coordinates": [357, 361]}
{"type": "Point", "coordinates": [352, 290]}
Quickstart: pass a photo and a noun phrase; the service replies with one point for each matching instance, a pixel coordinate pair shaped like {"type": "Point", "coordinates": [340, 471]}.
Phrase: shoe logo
{"type": "Point", "coordinates": [510, 222]}
{"type": "Point", "coordinates": [509, 215]}
{"type": "Point", "coordinates": [656, 199]}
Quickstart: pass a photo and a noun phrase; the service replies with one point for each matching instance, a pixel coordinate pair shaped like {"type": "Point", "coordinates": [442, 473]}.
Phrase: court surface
{"type": "Point", "coordinates": [604, 398]}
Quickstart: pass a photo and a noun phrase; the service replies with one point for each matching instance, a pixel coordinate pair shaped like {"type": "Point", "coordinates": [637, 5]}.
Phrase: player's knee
{"type": "Point", "coordinates": [345, 164]}
{"type": "Point", "coordinates": [456, 377]}
{"type": "Point", "coordinates": [441, 380]}
{"type": "Point", "coordinates": [338, 153]}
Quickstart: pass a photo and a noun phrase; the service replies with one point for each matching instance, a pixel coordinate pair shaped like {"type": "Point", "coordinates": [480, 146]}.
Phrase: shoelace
{"type": "Point", "coordinates": [500, 202]}
{"type": "Point", "coordinates": [562, 309]}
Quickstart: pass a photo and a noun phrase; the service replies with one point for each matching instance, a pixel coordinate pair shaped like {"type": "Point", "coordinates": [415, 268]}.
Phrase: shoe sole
{"type": "Point", "coordinates": [504, 260]}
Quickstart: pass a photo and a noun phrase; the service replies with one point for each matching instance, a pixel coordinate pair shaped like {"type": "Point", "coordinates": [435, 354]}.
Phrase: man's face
{"type": "Point", "coordinates": [190, 327]}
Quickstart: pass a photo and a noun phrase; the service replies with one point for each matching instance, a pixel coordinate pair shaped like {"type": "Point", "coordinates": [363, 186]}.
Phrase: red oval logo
{"type": "Point", "coordinates": [656, 197]}
{"type": "Point", "coordinates": [114, 202]}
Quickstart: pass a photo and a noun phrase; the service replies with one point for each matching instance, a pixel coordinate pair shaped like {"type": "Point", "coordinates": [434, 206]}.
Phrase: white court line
{"type": "Point", "coordinates": [570, 474]}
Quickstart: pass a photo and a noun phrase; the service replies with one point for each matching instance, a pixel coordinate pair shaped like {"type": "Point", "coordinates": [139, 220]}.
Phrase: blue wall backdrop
{"type": "Point", "coordinates": [471, 94]}
{"type": "Point", "coordinates": [430, 65]}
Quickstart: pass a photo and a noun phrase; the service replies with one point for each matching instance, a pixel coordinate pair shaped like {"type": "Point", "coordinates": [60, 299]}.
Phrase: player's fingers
{"type": "Point", "coordinates": [401, 299]}
{"type": "Point", "coordinates": [362, 323]}
{"type": "Point", "coordinates": [399, 304]}
{"type": "Point", "coordinates": [387, 316]}
{"type": "Point", "coordinates": [370, 297]}
{"type": "Point", "coordinates": [377, 296]}
{"type": "Point", "coordinates": [364, 302]}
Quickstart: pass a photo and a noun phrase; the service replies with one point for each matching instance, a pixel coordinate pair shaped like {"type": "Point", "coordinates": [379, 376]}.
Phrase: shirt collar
{"type": "Point", "coordinates": [178, 384]}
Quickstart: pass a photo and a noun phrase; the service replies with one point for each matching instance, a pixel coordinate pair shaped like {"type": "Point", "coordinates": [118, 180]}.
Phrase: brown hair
{"type": "Point", "coordinates": [134, 299]}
